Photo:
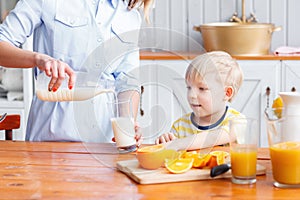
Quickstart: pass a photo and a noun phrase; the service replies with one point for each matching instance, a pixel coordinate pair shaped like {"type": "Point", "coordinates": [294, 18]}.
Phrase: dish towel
{"type": "Point", "coordinates": [287, 51]}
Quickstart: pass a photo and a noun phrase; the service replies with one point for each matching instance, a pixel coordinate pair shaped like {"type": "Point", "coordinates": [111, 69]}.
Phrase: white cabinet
{"type": "Point", "coordinates": [19, 106]}
{"type": "Point", "coordinates": [164, 97]}
{"type": "Point", "coordinates": [252, 98]}
{"type": "Point", "coordinates": [290, 76]}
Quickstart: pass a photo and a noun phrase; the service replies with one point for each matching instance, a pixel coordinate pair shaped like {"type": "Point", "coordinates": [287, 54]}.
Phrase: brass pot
{"type": "Point", "coordinates": [237, 38]}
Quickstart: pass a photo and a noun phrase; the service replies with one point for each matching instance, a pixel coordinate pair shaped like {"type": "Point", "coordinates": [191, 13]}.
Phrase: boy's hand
{"type": "Point", "coordinates": [138, 134]}
{"type": "Point", "coordinates": [167, 137]}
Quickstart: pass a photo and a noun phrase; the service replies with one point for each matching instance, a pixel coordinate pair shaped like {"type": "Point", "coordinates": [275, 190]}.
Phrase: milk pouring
{"type": "Point", "coordinates": [85, 88]}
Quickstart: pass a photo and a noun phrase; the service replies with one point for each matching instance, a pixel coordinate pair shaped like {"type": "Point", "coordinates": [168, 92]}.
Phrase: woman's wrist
{"type": "Point", "coordinates": [37, 59]}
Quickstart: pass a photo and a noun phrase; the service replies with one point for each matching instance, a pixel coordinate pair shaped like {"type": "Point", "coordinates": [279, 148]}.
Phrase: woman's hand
{"type": "Point", "coordinates": [55, 69]}
{"type": "Point", "coordinates": [146, 4]}
{"type": "Point", "coordinates": [167, 137]}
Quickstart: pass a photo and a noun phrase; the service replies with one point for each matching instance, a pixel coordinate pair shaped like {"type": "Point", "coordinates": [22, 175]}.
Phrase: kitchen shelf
{"type": "Point", "coordinates": [182, 55]}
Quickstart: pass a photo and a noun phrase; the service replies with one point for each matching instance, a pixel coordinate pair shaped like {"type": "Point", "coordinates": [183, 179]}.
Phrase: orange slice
{"type": "Point", "coordinates": [190, 154]}
{"type": "Point", "coordinates": [182, 154]}
{"type": "Point", "coordinates": [202, 160]}
{"type": "Point", "coordinates": [180, 165]}
{"type": "Point", "coordinates": [277, 105]}
{"type": "Point", "coordinates": [219, 157]}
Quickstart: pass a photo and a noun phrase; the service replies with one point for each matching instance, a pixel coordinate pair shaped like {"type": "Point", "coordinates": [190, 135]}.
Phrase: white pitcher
{"type": "Point", "coordinates": [86, 87]}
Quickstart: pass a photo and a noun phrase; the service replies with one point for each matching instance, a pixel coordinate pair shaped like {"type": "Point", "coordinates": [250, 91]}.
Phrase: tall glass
{"type": "Point", "coordinates": [123, 126]}
{"type": "Point", "coordinates": [243, 150]}
{"type": "Point", "coordinates": [283, 127]}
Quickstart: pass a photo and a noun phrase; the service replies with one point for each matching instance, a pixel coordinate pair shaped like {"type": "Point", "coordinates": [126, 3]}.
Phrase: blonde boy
{"type": "Point", "coordinates": [212, 80]}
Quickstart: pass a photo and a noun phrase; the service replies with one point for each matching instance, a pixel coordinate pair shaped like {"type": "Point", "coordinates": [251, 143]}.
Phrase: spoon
{"type": "Point", "coordinates": [2, 118]}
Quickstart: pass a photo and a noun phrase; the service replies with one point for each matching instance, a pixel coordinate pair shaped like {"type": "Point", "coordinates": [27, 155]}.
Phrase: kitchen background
{"type": "Point", "coordinates": [173, 21]}
{"type": "Point", "coordinates": [181, 15]}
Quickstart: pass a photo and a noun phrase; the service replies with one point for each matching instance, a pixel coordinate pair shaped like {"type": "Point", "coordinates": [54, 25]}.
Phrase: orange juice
{"type": "Point", "coordinates": [243, 161]}
{"type": "Point", "coordinates": [285, 159]}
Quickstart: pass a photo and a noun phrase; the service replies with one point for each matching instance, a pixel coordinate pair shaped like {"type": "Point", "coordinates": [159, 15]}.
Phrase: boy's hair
{"type": "Point", "coordinates": [220, 62]}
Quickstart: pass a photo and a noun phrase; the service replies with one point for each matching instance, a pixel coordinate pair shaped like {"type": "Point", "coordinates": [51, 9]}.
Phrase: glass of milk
{"type": "Point", "coordinates": [123, 126]}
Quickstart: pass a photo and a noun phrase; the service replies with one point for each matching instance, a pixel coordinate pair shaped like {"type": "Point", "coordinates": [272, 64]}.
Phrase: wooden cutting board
{"type": "Point", "coordinates": [143, 176]}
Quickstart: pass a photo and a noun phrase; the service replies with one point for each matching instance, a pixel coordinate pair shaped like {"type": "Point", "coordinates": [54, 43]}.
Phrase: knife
{"type": "Point", "coordinates": [219, 169]}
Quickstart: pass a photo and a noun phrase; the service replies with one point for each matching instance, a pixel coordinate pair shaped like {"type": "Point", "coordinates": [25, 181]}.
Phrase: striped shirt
{"type": "Point", "coordinates": [185, 126]}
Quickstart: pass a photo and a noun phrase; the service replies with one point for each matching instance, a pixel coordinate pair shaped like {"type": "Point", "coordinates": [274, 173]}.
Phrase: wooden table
{"type": "Point", "coordinates": [54, 170]}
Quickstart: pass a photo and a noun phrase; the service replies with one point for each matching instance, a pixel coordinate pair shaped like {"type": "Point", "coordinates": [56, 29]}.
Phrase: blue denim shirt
{"type": "Point", "coordinates": [95, 36]}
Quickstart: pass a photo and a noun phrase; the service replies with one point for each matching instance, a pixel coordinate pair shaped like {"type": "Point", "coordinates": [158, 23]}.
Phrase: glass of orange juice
{"type": "Point", "coordinates": [284, 141]}
{"type": "Point", "coordinates": [243, 149]}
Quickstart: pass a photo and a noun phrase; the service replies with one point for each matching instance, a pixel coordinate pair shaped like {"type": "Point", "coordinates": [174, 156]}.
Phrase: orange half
{"type": "Point", "coordinates": [151, 148]}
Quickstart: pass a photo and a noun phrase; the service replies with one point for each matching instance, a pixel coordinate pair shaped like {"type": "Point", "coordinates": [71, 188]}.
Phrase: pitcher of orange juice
{"type": "Point", "coordinates": [283, 128]}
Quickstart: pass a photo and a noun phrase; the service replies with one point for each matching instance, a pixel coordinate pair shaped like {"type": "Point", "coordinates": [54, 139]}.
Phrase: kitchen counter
{"type": "Point", "coordinates": [167, 55]}
{"type": "Point", "coordinates": [66, 170]}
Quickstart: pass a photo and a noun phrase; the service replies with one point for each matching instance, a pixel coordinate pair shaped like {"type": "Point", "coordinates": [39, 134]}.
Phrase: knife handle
{"type": "Point", "coordinates": [218, 170]}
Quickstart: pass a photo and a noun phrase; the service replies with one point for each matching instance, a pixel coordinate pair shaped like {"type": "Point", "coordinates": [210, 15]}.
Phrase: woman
{"type": "Point", "coordinates": [68, 35]}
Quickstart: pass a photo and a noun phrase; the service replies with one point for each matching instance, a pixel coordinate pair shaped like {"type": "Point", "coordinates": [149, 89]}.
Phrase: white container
{"type": "Point", "coordinates": [86, 86]}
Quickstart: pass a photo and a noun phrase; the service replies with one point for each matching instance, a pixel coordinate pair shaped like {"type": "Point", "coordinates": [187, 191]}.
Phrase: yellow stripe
{"type": "Point", "coordinates": [183, 126]}
{"type": "Point", "coordinates": [187, 121]}
{"type": "Point", "coordinates": [185, 118]}
{"type": "Point", "coordinates": [186, 130]}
